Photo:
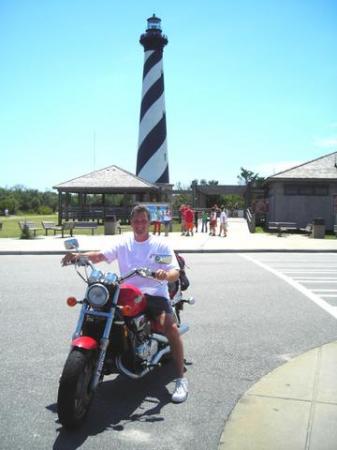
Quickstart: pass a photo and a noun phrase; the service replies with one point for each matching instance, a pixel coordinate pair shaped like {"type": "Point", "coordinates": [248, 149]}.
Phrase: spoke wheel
{"type": "Point", "coordinates": [75, 394]}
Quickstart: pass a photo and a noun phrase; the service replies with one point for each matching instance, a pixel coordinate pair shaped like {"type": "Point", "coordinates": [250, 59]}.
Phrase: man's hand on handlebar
{"type": "Point", "coordinates": [69, 258]}
{"type": "Point", "coordinates": [160, 274]}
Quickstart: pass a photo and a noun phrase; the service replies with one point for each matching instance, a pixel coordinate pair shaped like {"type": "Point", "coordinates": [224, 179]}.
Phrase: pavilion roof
{"type": "Point", "coordinates": [111, 179]}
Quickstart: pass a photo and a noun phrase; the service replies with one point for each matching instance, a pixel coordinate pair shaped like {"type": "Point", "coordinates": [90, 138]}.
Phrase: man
{"type": "Point", "coordinates": [223, 222]}
{"type": "Point", "coordinates": [139, 250]}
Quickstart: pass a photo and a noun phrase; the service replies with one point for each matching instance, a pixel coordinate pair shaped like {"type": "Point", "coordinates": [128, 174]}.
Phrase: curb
{"type": "Point", "coordinates": [243, 250]}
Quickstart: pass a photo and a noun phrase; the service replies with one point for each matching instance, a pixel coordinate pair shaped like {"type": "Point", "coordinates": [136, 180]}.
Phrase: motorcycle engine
{"type": "Point", "coordinates": [147, 349]}
{"type": "Point", "coordinates": [144, 346]}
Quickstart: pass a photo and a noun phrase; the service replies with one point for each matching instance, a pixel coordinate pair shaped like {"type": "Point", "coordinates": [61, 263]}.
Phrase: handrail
{"type": "Point", "coordinates": [250, 217]}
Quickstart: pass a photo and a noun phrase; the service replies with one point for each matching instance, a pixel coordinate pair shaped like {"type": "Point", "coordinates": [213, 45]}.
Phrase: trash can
{"type": "Point", "coordinates": [110, 225]}
{"type": "Point", "coordinates": [318, 228]}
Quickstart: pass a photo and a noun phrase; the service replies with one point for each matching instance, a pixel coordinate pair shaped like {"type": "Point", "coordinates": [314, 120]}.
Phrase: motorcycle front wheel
{"type": "Point", "coordinates": [75, 394]}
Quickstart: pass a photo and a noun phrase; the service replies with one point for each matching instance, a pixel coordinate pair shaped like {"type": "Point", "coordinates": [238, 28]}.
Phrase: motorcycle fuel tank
{"type": "Point", "coordinates": [131, 300]}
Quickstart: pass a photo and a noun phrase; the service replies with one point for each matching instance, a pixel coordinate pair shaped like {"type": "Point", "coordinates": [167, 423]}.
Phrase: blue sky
{"type": "Point", "coordinates": [247, 83]}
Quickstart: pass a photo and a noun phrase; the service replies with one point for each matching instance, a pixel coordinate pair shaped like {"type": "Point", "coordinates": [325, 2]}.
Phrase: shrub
{"type": "Point", "coordinates": [44, 210]}
{"type": "Point", "coordinates": [25, 233]}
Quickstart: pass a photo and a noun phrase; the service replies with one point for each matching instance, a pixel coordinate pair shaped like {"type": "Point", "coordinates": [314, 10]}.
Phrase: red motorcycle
{"type": "Point", "coordinates": [113, 334]}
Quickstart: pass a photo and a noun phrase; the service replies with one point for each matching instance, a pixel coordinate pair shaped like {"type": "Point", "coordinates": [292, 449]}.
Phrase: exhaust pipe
{"type": "Point", "coordinates": [120, 366]}
{"type": "Point", "coordinates": [154, 362]}
{"type": "Point", "coordinates": [158, 337]}
{"type": "Point", "coordinates": [163, 339]}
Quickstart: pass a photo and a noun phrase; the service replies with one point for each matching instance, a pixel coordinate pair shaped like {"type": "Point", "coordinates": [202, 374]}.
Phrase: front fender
{"type": "Point", "coordinates": [86, 342]}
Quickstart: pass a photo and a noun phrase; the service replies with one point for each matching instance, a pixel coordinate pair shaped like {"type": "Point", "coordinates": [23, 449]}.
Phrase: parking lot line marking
{"type": "Point", "coordinates": [304, 280]}
{"type": "Point", "coordinates": [332, 310]}
{"type": "Point", "coordinates": [324, 290]}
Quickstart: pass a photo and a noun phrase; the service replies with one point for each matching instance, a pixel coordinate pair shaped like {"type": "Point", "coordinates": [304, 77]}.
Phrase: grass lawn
{"type": "Point", "coordinates": [11, 229]}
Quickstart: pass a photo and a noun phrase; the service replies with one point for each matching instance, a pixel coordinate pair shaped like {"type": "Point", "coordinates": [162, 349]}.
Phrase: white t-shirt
{"type": "Point", "coordinates": [223, 217]}
{"type": "Point", "coordinates": [131, 254]}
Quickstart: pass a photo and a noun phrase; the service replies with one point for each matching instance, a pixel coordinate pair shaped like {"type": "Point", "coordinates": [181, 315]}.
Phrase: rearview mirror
{"type": "Point", "coordinates": [71, 244]}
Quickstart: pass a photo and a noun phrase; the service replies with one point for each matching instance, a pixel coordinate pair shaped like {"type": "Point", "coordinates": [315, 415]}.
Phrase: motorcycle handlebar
{"type": "Point", "coordinates": [143, 272]}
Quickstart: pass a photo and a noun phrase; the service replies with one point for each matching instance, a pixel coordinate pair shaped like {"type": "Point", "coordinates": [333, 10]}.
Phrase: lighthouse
{"type": "Point", "coordinates": [152, 161]}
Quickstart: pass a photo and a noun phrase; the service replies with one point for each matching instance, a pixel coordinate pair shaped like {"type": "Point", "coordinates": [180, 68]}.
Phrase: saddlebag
{"type": "Point", "coordinates": [184, 281]}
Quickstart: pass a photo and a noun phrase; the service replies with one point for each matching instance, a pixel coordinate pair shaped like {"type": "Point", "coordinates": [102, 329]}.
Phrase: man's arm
{"type": "Point", "coordinates": [168, 275]}
{"type": "Point", "coordinates": [94, 257]}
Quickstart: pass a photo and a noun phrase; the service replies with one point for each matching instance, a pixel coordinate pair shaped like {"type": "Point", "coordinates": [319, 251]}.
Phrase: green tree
{"type": "Point", "coordinates": [232, 202]}
{"type": "Point", "coordinates": [19, 198]}
{"type": "Point", "coordinates": [248, 176]}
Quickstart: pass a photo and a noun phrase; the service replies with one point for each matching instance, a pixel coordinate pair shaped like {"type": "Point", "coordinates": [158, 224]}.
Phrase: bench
{"type": "Point", "coordinates": [308, 229]}
{"type": "Point", "coordinates": [32, 227]}
{"type": "Point", "coordinates": [282, 227]}
{"type": "Point", "coordinates": [80, 225]}
{"type": "Point", "coordinates": [51, 226]}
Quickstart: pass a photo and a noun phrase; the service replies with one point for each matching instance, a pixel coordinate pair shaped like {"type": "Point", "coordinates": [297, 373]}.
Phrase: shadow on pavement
{"type": "Point", "coordinates": [116, 403]}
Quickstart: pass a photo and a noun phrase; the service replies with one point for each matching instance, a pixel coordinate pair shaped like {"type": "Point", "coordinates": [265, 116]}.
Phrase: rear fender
{"type": "Point", "coordinates": [86, 342]}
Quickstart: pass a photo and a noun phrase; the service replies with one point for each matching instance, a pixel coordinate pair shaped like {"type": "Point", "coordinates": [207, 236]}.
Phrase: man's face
{"type": "Point", "coordinates": [140, 225]}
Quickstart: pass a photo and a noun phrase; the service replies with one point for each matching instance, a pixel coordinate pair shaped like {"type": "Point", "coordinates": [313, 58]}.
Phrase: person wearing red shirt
{"type": "Point", "coordinates": [182, 210]}
{"type": "Point", "coordinates": [189, 218]}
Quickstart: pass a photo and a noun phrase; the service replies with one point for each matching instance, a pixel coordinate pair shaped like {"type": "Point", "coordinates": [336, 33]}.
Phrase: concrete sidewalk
{"type": "Point", "coordinates": [292, 408]}
{"type": "Point", "coordinates": [238, 240]}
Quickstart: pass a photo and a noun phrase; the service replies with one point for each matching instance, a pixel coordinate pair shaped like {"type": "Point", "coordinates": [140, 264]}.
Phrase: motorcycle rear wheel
{"type": "Point", "coordinates": [74, 394]}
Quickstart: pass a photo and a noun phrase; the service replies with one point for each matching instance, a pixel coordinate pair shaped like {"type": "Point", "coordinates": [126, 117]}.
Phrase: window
{"type": "Point", "coordinates": [306, 189]}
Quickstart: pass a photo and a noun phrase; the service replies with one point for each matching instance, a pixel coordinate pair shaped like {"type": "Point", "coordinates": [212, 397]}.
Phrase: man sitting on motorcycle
{"type": "Point", "coordinates": [143, 249]}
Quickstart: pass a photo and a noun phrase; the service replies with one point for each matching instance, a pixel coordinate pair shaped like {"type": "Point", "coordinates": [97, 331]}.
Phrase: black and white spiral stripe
{"type": "Point", "coordinates": [152, 162]}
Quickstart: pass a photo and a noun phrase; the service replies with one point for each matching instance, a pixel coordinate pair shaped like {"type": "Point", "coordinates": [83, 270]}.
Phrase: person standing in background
{"type": "Point", "coordinates": [157, 221]}
{"type": "Point", "coordinates": [213, 222]}
{"type": "Point", "coordinates": [189, 218]}
{"type": "Point", "coordinates": [196, 218]}
{"type": "Point", "coordinates": [223, 223]}
{"type": "Point", "coordinates": [204, 220]}
{"type": "Point", "coordinates": [167, 218]}
{"type": "Point", "coordinates": [182, 210]}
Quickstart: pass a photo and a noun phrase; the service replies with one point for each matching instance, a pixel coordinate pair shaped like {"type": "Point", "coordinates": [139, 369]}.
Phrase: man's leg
{"type": "Point", "coordinates": [170, 330]}
{"type": "Point", "coordinates": [162, 312]}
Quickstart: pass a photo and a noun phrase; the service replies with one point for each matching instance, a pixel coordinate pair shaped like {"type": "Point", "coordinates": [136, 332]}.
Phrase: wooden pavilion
{"type": "Point", "coordinates": [93, 196]}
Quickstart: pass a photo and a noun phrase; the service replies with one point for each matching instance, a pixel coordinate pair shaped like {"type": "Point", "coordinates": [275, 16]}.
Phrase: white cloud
{"type": "Point", "coordinates": [326, 142]}
{"type": "Point", "coordinates": [269, 169]}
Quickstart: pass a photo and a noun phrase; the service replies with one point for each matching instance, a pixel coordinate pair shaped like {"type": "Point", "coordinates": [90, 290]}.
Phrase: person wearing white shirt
{"type": "Point", "coordinates": [223, 223]}
{"type": "Point", "coordinates": [141, 249]}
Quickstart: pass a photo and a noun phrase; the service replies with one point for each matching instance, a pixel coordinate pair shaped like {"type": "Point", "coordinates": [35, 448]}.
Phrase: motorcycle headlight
{"type": "Point", "coordinates": [97, 295]}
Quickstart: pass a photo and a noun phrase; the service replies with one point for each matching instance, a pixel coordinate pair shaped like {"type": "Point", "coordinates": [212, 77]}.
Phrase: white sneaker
{"type": "Point", "coordinates": [181, 391]}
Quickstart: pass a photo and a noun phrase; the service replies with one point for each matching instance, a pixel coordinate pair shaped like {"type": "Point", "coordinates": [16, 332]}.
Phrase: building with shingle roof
{"type": "Point", "coordinates": [304, 193]}
{"type": "Point", "coordinates": [111, 179]}
{"type": "Point", "coordinates": [74, 194]}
